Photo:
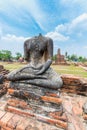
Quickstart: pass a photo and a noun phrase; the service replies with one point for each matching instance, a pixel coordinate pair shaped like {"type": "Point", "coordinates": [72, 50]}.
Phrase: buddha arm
{"type": "Point", "coordinates": [49, 60]}
{"type": "Point", "coordinates": [26, 50]}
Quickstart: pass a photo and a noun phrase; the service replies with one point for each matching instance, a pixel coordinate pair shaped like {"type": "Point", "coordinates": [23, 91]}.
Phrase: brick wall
{"type": "Point", "coordinates": [74, 84]}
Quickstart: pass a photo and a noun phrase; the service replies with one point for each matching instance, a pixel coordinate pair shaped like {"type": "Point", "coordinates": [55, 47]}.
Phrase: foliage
{"type": "Point", "coordinates": [5, 55]}
{"type": "Point", "coordinates": [18, 55]}
{"type": "Point", "coordinates": [75, 58]}
{"type": "Point", "coordinates": [82, 59]}
{"type": "Point", "coordinates": [66, 54]}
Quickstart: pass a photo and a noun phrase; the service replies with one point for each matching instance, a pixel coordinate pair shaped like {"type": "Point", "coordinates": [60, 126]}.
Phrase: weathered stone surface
{"type": "Point", "coordinates": [76, 121]}
{"type": "Point", "coordinates": [3, 71]}
{"type": "Point", "coordinates": [3, 86]}
{"type": "Point", "coordinates": [85, 116]}
{"type": "Point", "coordinates": [85, 107]}
{"type": "Point", "coordinates": [3, 89]}
{"type": "Point", "coordinates": [71, 84]}
{"type": "Point", "coordinates": [75, 117]}
{"type": "Point", "coordinates": [47, 109]}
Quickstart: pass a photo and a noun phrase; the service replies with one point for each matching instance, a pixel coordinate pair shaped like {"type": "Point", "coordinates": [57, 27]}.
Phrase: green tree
{"type": "Point", "coordinates": [5, 55]}
{"type": "Point", "coordinates": [68, 57]}
{"type": "Point", "coordinates": [18, 55]}
{"type": "Point", "coordinates": [0, 55]}
{"type": "Point", "coordinates": [66, 54]}
{"type": "Point", "coordinates": [82, 59]}
{"type": "Point", "coordinates": [74, 57]}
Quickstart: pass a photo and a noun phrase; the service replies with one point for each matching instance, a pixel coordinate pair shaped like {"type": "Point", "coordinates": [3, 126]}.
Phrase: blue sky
{"type": "Point", "coordinates": [65, 21]}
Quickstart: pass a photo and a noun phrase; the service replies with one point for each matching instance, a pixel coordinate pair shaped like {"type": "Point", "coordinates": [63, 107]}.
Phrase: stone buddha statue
{"type": "Point", "coordinates": [38, 51]}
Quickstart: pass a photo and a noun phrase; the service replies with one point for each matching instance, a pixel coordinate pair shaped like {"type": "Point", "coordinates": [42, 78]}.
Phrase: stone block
{"type": "Point", "coordinates": [51, 99]}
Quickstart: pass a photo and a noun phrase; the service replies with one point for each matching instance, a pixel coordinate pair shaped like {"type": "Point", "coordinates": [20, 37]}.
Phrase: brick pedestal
{"type": "Point", "coordinates": [41, 103]}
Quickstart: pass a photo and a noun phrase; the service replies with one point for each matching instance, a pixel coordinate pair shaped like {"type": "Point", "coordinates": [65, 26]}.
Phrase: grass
{"type": "Point", "coordinates": [11, 66]}
{"type": "Point", "coordinates": [61, 69]}
{"type": "Point", "coordinates": [75, 70]}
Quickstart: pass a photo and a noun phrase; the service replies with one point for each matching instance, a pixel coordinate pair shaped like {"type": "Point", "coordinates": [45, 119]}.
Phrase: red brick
{"type": "Point", "coordinates": [2, 129]}
{"type": "Point", "coordinates": [59, 113]}
{"type": "Point", "coordinates": [6, 118]}
{"type": "Point", "coordinates": [19, 111]}
{"type": "Point", "coordinates": [58, 123]}
{"type": "Point", "coordinates": [2, 113]}
{"type": "Point", "coordinates": [12, 123]}
{"type": "Point", "coordinates": [23, 124]}
{"type": "Point", "coordinates": [51, 94]}
{"type": "Point", "coordinates": [51, 99]}
{"type": "Point", "coordinates": [11, 91]}
{"type": "Point", "coordinates": [56, 116]}
{"type": "Point", "coordinates": [17, 103]}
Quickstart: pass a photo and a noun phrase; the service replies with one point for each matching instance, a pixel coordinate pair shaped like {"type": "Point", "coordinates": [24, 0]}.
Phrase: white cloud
{"type": "Point", "coordinates": [85, 47]}
{"type": "Point", "coordinates": [12, 43]}
{"type": "Point", "coordinates": [77, 25]}
{"type": "Point", "coordinates": [57, 36]}
{"type": "Point", "coordinates": [61, 28]}
{"type": "Point", "coordinates": [73, 2]}
{"type": "Point", "coordinates": [80, 19]}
